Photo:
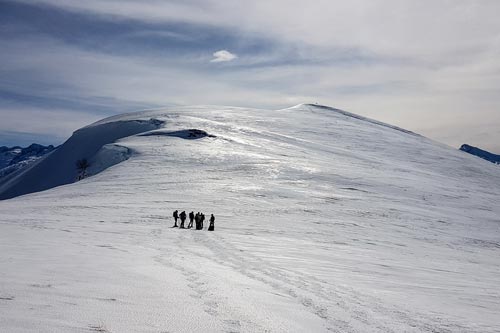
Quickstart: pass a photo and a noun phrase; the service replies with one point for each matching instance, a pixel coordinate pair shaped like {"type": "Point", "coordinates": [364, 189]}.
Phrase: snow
{"type": "Point", "coordinates": [59, 167]}
{"type": "Point", "coordinates": [16, 158]}
{"type": "Point", "coordinates": [325, 221]}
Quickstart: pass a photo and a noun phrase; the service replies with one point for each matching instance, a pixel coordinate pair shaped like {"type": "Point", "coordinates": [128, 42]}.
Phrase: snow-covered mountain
{"type": "Point", "coordinates": [16, 158]}
{"type": "Point", "coordinates": [94, 143]}
{"type": "Point", "coordinates": [481, 153]}
{"type": "Point", "coordinates": [325, 221]}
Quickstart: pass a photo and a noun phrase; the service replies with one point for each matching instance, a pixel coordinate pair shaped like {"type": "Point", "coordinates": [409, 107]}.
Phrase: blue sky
{"type": "Point", "coordinates": [429, 66]}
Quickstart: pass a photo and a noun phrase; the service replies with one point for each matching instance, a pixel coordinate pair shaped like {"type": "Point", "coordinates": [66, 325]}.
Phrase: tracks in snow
{"type": "Point", "coordinates": [341, 309]}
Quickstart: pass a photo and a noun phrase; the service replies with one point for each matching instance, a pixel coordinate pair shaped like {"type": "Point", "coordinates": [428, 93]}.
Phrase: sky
{"type": "Point", "coordinates": [430, 66]}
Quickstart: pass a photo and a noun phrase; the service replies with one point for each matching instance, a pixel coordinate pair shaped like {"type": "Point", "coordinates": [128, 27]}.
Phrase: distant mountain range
{"type": "Point", "coordinates": [16, 158]}
{"type": "Point", "coordinates": [481, 153]}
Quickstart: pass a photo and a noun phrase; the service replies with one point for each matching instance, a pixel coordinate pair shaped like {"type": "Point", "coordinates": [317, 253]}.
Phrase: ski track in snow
{"type": "Point", "coordinates": [324, 222]}
{"type": "Point", "coordinates": [325, 301]}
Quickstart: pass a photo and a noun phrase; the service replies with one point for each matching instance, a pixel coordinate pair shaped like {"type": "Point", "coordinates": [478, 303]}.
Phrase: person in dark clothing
{"type": "Point", "coordinates": [183, 218]}
{"type": "Point", "coordinates": [211, 227]}
{"type": "Point", "coordinates": [199, 224]}
{"type": "Point", "coordinates": [176, 216]}
{"type": "Point", "coordinates": [197, 221]}
{"type": "Point", "coordinates": [191, 218]}
{"type": "Point", "coordinates": [202, 219]}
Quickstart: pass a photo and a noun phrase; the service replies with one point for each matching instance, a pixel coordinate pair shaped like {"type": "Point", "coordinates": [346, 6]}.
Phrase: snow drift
{"type": "Point", "coordinates": [58, 168]}
{"type": "Point", "coordinates": [325, 222]}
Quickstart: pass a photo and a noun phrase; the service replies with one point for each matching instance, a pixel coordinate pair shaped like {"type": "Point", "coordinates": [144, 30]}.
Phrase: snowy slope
{"type": "Point", "coordinates": [89, 143]}
{"type": "Point", "coordinates": [325, 221]}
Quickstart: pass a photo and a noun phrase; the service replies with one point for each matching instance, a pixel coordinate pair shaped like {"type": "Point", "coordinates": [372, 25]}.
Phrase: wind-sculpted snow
{"type": "Point", "coordinates": [324, 223]}
{"type": "Point", "coordinates": [59, 167]}
{"type": "Point", "coordinates": [189, 134]}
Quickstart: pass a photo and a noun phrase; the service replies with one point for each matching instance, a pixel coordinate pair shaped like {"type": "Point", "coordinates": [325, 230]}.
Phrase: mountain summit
{"type": "Point", "coordinates": [324, 221]}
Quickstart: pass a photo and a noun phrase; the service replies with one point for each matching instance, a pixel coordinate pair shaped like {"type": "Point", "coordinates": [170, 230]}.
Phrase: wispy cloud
{"type": "Point", "coordinates": [56, 124]}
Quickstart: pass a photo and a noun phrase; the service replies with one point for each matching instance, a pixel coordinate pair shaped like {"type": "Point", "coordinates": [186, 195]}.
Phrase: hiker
{"type": "Point", "coordinates": [191, 218]}
{"type": "Point", "coordinates": [176, 216]}
{"type": "Point", "coordinates": [212, 220]}
{"type": "Point", "coordinates": [199, 224]}
{"type": "Point", "coordinates": [183, 218]}
{"type": "Point", "coordinates": [202, 218]}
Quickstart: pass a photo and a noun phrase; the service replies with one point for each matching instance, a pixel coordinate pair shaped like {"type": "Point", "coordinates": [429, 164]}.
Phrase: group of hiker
{"type": "Point", "coordinates": [197, 218]}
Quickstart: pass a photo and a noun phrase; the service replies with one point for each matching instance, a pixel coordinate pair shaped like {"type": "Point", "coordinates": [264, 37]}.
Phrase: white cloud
{"type": "Point", "coordinates": [223, 55]}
